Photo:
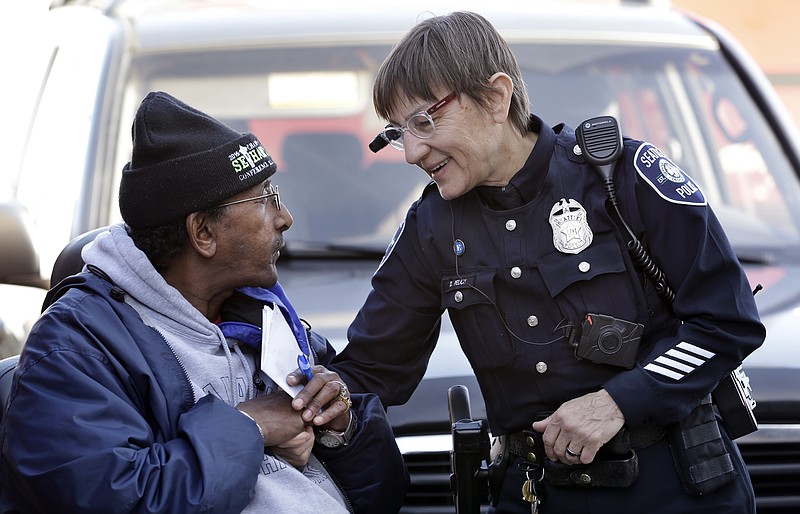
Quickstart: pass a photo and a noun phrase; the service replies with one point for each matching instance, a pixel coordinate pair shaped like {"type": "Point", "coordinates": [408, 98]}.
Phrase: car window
{"type": "Point", "coordinates": [690, 104]}
{"type": "Point", "coordinates": [311, 107]}
{"type": "Point", "coordinates": [66, 136]}
{"type": "Point", "coordinates": [312, 110]}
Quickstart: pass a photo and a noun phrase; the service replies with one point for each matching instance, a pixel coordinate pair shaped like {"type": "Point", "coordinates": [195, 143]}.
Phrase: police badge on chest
{"type": "Point", "coordinates": [571, 231]}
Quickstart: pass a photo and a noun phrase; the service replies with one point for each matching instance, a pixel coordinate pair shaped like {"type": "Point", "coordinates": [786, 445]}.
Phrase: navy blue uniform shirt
{"type": "Point", "coordinates": [513, 278]}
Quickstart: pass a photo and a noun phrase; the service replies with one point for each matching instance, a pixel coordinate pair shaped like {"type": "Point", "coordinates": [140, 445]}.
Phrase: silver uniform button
{"type": "Point", "coordinates": [516, 272]}
{"type": "Point", "coordinates": [577, 150]}
{"type": "Point", "coordinates": [458, 297]}
{"type": "Point", "coordinates": [533, 321]}
{"type": "Point", "coordinates": [584, 266]}
{"type": "Point", "coordinates": [511, 225]}
{"type": "Point", "coordinates": [541, 367]}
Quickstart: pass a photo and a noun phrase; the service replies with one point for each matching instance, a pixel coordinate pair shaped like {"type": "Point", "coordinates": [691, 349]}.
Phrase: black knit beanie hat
{"type": "Point", "coordinates": [184, 161]}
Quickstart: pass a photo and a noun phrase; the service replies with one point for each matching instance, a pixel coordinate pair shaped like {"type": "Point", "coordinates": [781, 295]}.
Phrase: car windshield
{"type": "Point", "coordinates": [312, 110]}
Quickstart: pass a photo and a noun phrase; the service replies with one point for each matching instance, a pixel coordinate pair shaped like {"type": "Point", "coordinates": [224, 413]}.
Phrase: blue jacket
{"type": "Point", "coordinates": [514, 280]}
{"type": "Point", "coordinates": [101, 419]}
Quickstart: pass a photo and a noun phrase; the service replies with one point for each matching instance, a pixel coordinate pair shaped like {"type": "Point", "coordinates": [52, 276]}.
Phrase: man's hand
{"type": "Point", "coordinates": [279, 422]}
{"type": "Point", "coordinates": [576, 431]}
{"type": "Point", "coordinates": [324, 400]}
{"type": "Point", "coordinates": [297, 450]}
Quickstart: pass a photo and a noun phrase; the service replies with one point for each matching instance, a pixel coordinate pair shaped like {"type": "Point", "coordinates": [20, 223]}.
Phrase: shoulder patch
{"type": "Point", "coordinates": [665, 177]}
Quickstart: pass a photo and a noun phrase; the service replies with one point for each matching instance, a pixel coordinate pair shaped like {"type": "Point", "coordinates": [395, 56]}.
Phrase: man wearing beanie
{"type": "Point", "coordinates": [140, 388]}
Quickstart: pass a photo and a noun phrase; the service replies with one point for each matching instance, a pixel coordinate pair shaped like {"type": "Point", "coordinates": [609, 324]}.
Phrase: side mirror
{"type": "Point", "coordinates": [19, 262]}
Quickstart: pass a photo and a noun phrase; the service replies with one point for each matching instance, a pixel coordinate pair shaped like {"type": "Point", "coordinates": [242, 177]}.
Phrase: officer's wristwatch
{"type": "Point", "coordinates": [333, 439]}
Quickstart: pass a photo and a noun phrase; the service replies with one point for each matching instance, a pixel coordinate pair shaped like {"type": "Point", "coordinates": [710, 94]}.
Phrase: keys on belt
{"type": "Point", "coordinates": [525, 444]}
{"type": "Point", "coordinates": [529, 493]}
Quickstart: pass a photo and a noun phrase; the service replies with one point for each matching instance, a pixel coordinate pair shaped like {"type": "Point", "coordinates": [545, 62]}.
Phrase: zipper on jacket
{"type": "Point", "coordinates": [183, 368]}
{"type": "Point", "coordinates": [347, 502]}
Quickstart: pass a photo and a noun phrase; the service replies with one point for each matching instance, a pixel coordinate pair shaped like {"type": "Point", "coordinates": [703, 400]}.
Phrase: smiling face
{"type": "Point", "coordinates": [467, 148]}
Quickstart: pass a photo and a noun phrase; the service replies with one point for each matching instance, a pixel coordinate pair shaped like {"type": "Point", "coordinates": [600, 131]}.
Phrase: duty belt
{"type": "Point", "coordinates": [524, 444]}
{"type": "Point", "coordinates": [616, 464]}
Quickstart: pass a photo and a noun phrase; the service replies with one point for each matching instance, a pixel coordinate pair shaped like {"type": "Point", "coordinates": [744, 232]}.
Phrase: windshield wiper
{"type": "Point", "coordinates": [755, 257]}
{"type": "Point", "coordinates": [322, 250]}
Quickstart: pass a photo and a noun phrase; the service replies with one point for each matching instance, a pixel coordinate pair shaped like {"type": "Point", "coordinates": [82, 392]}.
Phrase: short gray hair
{"type": "Point", "coordinates": [456, 52]}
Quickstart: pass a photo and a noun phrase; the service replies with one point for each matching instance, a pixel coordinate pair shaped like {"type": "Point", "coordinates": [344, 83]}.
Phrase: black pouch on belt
{"type": "Point", "coordinates": [700, 454]}
{"type": "Point", "coordinates": [615, 465]}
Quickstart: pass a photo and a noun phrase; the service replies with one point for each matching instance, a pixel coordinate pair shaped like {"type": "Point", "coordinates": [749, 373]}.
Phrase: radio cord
{"type": "Point", "coordinates": [562, 325]}
{"type": "Point", "coordinates": [641, 259]}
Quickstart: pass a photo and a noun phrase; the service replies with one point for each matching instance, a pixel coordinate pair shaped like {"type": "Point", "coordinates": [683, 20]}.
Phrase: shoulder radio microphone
{"type": "Point", "coordinates": [600, 140]}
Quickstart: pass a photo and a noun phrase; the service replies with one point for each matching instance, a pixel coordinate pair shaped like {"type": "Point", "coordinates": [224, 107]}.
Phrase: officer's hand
{"type": "Point", "coordinates": [583, 425]}
{"type": "Point", "coordinates": [324, 400]}
{"type": "Point", "coordinates": [297, 450]}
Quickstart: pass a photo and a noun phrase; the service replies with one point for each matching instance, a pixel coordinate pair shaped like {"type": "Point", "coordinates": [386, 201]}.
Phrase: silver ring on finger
{"type": "Point", "coordinates": [572, 453]}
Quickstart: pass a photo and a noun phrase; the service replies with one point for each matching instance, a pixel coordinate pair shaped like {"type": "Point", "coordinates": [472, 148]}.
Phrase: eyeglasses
{"type": "Point", "coordinates": [268, 192]}
{"type": "Point", "coordinates": [420, 124]}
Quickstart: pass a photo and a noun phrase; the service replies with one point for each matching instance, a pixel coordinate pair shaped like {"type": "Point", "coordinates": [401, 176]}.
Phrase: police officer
{"type": "Point", "coordinates": [515, 239]}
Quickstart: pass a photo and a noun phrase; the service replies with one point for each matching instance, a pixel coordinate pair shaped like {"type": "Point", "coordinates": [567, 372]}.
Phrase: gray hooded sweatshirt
{"type": "Point", "coordinates": [215, 366]}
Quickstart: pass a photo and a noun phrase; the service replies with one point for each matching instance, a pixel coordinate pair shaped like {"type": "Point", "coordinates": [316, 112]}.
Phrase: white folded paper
{"type": "Point", "coordinates": [279, 349]}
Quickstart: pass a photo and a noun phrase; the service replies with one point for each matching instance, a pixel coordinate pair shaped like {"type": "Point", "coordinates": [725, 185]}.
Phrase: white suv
{"type": "Point", "coordinates": [299, 76]}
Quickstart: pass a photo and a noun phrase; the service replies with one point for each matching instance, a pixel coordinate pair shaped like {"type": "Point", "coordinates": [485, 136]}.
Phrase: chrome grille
{"type": "Point", "coordinates": [773, 463]}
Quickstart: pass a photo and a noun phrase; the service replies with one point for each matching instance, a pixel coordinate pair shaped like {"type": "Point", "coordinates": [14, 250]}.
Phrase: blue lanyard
{"type": "Point", "coordinates": [251, 334]}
